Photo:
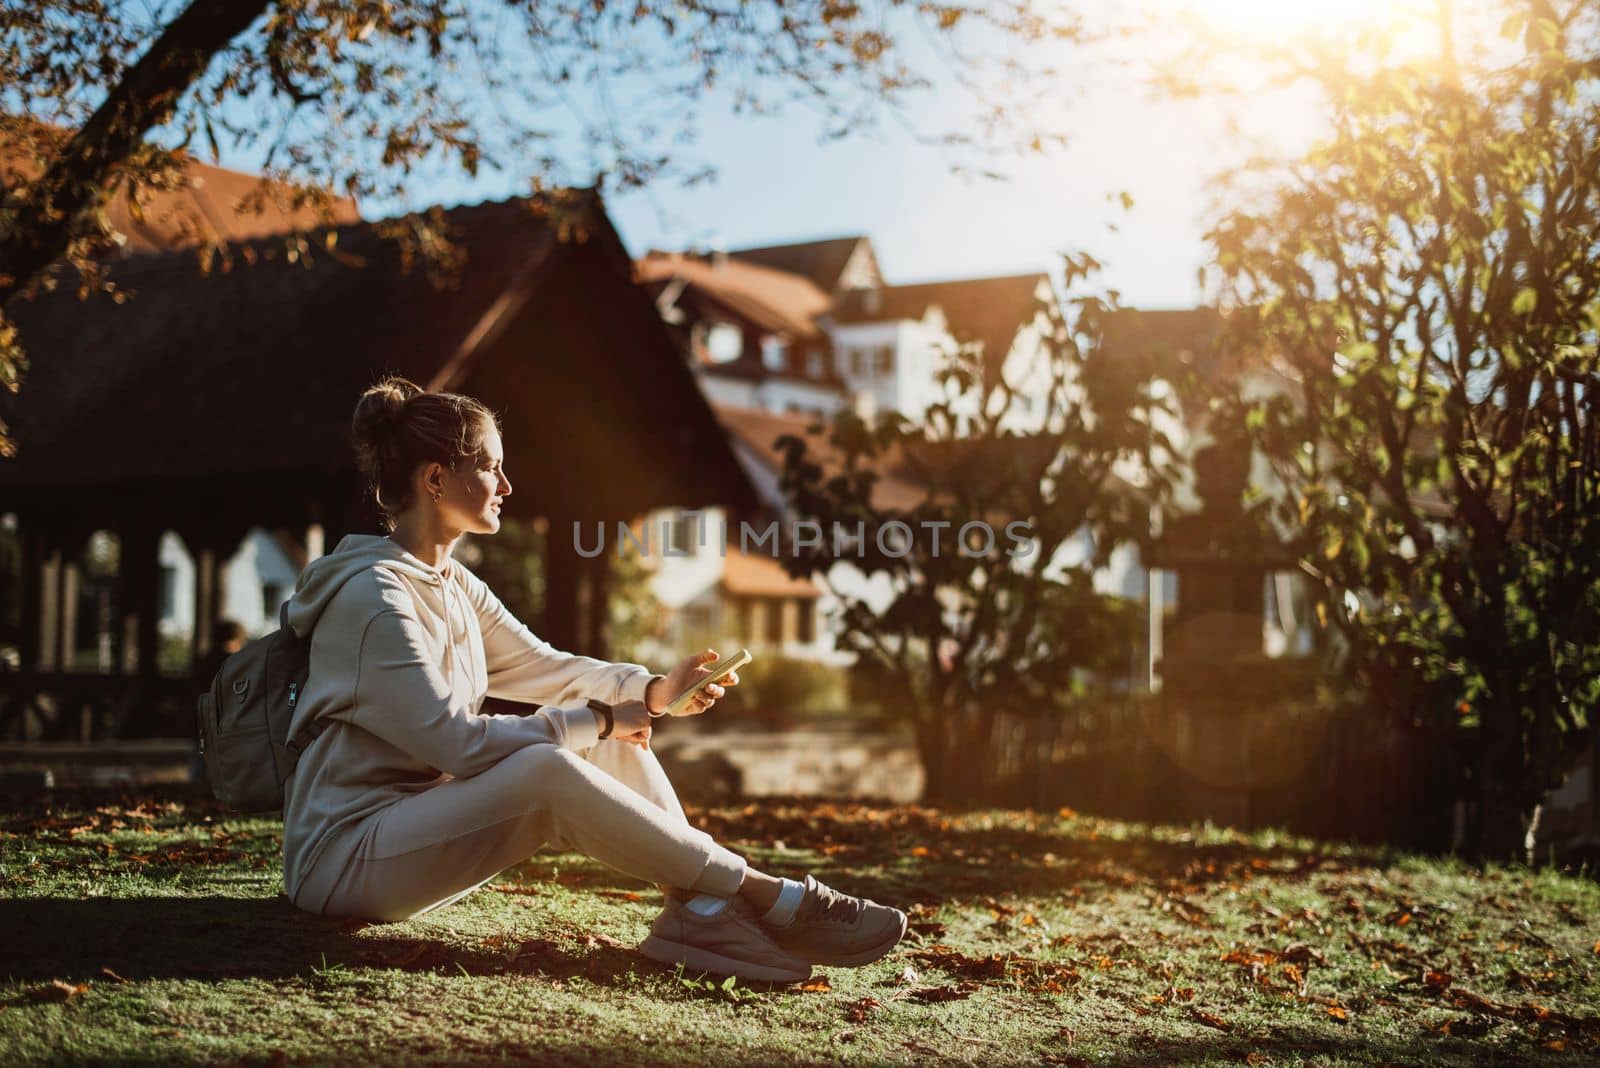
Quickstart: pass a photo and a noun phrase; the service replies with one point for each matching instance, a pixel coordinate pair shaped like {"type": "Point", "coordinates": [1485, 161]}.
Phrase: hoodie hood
{"type": "Point", "coordinates": [326, 575]}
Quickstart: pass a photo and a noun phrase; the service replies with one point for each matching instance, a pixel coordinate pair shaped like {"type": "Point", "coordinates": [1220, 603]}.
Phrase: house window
{"type": "Point", "coordinates": [271, 598]}
{"type": "Point", "coordinates": [774, 353]}
{"type": "Point", "coordinates": [883, 359]}
{"type": "Point", "coordinates": [814, 363]}
{"type": "Point", "coordinates": [724, 342]}
{"type": "Point", "coordinates": [683, 535]}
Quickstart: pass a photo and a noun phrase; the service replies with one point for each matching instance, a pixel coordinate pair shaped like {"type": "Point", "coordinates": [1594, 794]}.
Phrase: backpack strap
{"type": "Point", "coordinates": [302, 741]}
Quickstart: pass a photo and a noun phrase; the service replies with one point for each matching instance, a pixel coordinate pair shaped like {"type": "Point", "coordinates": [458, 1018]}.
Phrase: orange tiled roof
{"type": "Point", "coordinates": [775, 300]}
{"type": "Point", "coordinates": [206, 207]}
{"type": "Point", "coordinates": [760, 430]}
{"type": "Point", "coordinates": [751, 575]}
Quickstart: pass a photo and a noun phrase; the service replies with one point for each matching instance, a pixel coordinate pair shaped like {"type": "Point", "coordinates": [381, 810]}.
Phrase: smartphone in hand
{"type": "Point", "coordinates": [729, 663]}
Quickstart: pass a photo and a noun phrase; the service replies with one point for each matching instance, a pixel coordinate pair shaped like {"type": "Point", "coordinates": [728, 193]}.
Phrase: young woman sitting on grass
{"type": "Point", "coordinates": [414, 795]}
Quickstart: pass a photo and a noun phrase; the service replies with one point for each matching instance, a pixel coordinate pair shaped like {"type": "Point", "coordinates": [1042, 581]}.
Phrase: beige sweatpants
{"type": "Point", "coordinates": [611, 802]}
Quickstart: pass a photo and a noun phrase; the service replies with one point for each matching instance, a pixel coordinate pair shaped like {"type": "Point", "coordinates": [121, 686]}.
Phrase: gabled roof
{"type": "Point", "coordinates": [822, 262]}
{"type": "Point", "coordinates": [760, 430]}
{"type": "Point", "coordinates": [210, 205]}
{"type": "Point", "coordinates": [770, 299]}
{"type": "Point", "coordinates": [752, 575]}
{"type": "Point", "coordinates": [254, 370]}
{"type": "Point", "coordinates": [986, 310]}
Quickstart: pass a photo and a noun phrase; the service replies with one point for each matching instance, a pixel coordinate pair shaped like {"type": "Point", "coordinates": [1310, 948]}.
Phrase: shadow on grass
{"type": "Point", "coordinates": [911, 854]}
{"type": "Point", "coordinates": [263, 938]}
{"type": "Point", "coordinates": [1293, 1044]}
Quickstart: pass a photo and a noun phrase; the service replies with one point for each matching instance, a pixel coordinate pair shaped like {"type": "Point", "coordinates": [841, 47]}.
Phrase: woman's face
{"type": "Point", "coordinates": [473, 491]}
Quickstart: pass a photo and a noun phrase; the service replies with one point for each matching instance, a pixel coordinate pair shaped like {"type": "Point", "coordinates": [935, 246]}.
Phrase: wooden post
{"type": "Point", "coordinates": [68, 648]}
{"type": "Point", "coordinates": [597, 640]}
{"type": "Point", "coordinates": [217, 610]}
{"type": "Point", "coordinates": [140, 589]}
{"type": "Point", "coordinates": [205, 576]}
{"type": "Point", "coordinates": [142, 560]}
{"type": "Point", "coordinates": [559, 625]}
{"type": "Point", "coordinates": [49, 617]}
{"type": "Point", "coordinates": [1155, 624]}
{"type": "Point", "coordinates": [31, 633]}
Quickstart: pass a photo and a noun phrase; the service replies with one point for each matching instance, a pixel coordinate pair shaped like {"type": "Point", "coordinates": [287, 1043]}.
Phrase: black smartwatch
{"type": "Point", "coordinates": [605, 712]}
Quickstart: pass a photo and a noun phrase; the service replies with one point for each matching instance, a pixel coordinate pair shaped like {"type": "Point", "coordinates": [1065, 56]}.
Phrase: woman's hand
{"type": "Point", "coordinates": [692, 669]}
{"type": "Point", "coordinates": [630, 722]}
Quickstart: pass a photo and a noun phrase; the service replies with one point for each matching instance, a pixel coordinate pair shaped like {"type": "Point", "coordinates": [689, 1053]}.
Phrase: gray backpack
{"type": "Point", "coordinates": [245, 717]}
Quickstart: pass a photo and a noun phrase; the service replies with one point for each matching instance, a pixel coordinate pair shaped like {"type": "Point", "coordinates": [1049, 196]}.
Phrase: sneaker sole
{"type": "Point", "coordinates": [695, 959]}
{"type": "Point", "coordinates": [865, 956]}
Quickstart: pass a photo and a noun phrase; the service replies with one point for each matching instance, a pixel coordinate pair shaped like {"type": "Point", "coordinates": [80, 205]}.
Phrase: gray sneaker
{"type": "Point", "coordinates": [834, 928]}
{"type": "Point", "coordinates": [730, 943]}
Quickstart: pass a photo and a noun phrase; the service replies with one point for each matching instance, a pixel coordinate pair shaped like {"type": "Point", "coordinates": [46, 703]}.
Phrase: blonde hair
{"type": "Point", "coordinates": [399, 426]}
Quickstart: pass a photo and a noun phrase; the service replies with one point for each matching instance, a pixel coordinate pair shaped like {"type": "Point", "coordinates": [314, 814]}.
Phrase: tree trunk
{"type": "Point", "coordinates": [56, 206]}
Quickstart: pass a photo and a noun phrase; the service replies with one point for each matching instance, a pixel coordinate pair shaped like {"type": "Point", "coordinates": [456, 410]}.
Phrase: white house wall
{"type": "Point", "coordinates": [794, 395]}
{"type": "Point", "coordinates": [729, 392]}
{"type": "Point", "coordinates": [258, 565]}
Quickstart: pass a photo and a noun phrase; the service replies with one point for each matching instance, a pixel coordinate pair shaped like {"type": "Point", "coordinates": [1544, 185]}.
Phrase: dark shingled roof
{"type": "Point", "coordinates": [253, 371]}
{"type": "Point", "coordinates": [821, 261]}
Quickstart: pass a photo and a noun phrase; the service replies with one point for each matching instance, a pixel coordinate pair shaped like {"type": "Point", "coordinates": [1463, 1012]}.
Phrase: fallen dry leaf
{"type": "Point", "coordinates": [858, 1010]}
{"type": "Point", "coordinates": [935, 994]}
{"type": "Point", "coordinates": [109, 974]}
{"type": "Point", "coordinates": [818, 985]}
{"type": "Point", "coordinates": [1210, 1019]}
{"type": "Point", "coordinates": [58, 990]}
{"type": "Point", "coordinates": [1337, 1012]}
{"type": "Point", "coordinates": [621, 895]}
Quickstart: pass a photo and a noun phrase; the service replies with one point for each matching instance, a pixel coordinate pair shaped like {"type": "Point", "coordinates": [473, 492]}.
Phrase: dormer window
{"type": "Point", "coordinates": [774, 352]}
{"type": "Point", "coordinates": [883, 359]}
{"type": "Point", "coordinates": [724, 342]}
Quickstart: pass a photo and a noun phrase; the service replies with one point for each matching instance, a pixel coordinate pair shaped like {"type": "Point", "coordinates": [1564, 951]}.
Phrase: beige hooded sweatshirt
{"type": "Point", "coordinates": [402, 655]}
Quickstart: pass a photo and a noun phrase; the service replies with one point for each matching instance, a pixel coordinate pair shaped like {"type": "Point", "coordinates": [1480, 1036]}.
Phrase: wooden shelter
{"type": "Point", "coordinates": [208, 404]}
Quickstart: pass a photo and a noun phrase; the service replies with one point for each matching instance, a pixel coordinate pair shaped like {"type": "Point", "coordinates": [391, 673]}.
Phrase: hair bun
{"type": "Point", "coordinates": [381, 408]}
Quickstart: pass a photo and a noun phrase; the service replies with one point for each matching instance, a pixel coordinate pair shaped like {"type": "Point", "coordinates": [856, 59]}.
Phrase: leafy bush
{"type": "Point", "coordinates": [778, 690]}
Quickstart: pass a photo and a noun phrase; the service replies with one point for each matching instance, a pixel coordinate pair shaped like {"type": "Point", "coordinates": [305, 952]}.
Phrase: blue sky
{"type": "Point", "coordinates": [778, 183]}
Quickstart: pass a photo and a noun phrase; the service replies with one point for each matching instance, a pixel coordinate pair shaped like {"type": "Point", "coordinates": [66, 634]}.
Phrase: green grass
{"type": "Point", "coordinates": [155, 931]}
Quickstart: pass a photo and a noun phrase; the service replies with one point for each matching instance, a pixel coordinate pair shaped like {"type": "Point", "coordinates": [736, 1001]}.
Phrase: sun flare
{"type": "Point", "coordinates": [1253, 17]}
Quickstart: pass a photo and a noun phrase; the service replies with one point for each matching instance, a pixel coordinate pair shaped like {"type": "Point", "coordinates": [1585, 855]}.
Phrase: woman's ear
{"type": "Point", "coordinates": [431, 480]}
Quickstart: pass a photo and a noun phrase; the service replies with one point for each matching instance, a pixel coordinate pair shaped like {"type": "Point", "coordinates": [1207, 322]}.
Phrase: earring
{"type": "Point", "coordinates": [437, 494]}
